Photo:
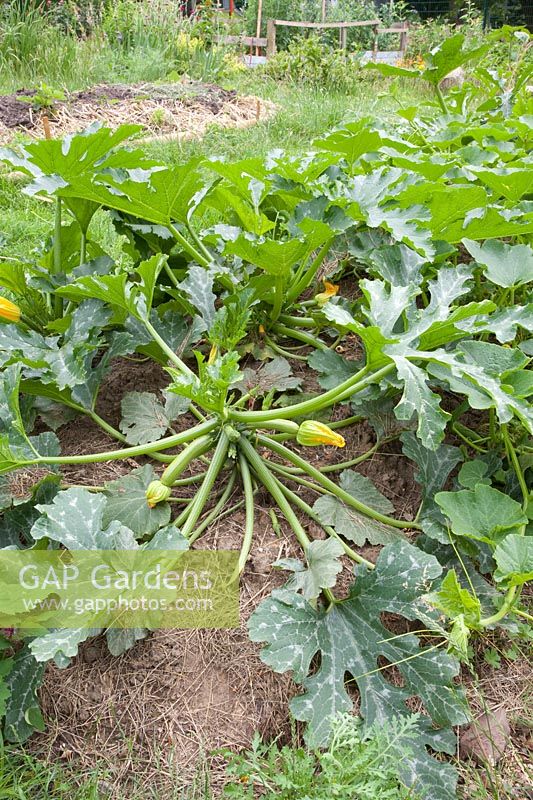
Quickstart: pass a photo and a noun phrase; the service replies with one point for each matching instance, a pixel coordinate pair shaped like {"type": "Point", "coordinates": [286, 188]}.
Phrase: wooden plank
{"type": "Point", "coordinates": [271, 38]}
{"type": "Point", "coordinates": [368, 23]}
{"type": "Point", "coordinates": [249, 41]}
{"type": "Point", "coordinates": [392, 30]}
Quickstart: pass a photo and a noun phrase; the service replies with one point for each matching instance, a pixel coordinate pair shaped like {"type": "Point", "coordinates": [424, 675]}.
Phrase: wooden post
{"type": "Point", "coordinates": [324, 10]}
{"type": "Point", "coordinates": [343, 33]}
{"type": "Point", "coordinates": [271, 38]}
{"type": "Point", "coordinates": [403, 40]}
{"type": "Point", "coordinates": [375, 43]}
{"type": "Point", "coordinates": [259, 22]}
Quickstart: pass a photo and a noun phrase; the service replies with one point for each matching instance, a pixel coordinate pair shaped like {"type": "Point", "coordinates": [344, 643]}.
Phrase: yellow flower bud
{"type": "Point", "coordinates": [313, 434]}
{"type": "Point", "coordinates": [330, 290]}
{"type": "Point", "coordinates": [156, 493]}
{"type": "Point", "coordinates": [213, 353]}
{"type": "Point", "coordinates": [9, 310]}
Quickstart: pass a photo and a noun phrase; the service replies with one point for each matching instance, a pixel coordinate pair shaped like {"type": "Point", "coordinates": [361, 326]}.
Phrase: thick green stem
{"type": "Point", "coordinates": [331, 486]}
{"type": "Point", "coordinates": [344, 423]}
{"type": "Point", "coordinates": [279, 296]}
{"type": "Point", "coordinates": [285, 473]}
{"type": "Point", "coordinates": [304, 279]}
{"type": "Point", "coordinates": [169, 352]}
{"type": "Point", "coordinates": [510, 597]}
{"type": "Point", "coordinates": [526, 495]}
{"type": "Point", "coordinates": [202, 496]}
{"type": "Point", "coordinates": [216, 511]}
{"type": "Point", "coordinates": [83, 247]}
{"type": "Point", "coordinates": [172, 278]}
{"type": "Point", "coordinates": [250, 515]}
{"type": "Point", "coordinates": [198, 447]}
{"type": "Point", "coordinates": [281, 351]}
{"type": "Point", "coordinates": [301, 336]}
{"type": "Point", "coordinates": [188, 247]}
{"type": "Point", "coordinates": [58, 301]}
{"type": "Point", "coordinates": [199, 244]}
{"type": "Point", "coordinates": [356, 383]}
{"type": "Point", "coordinates": [131, 452]}
{"type": "Point", "coordinates": [297, 322]}
{"type": "Point", "coordinates": [342, 465]}
{"type": "Point", "coordinates": [271, 485]}
{"type": "Point", "coordinates": [440, 98]}
{"type": "Point", "coordinates": [305, 507]}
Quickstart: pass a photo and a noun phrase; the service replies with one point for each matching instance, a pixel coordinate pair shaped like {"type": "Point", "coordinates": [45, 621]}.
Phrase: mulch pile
{"type": "Point", "coordinates": [175, 111]}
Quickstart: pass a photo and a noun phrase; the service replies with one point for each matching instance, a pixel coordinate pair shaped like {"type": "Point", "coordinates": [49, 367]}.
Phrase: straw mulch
{"type": "Point", "coordinates": [173, 111]}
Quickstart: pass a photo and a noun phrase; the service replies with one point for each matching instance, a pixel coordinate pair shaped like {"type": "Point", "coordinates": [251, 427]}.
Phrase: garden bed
{"type": "Point", "coordinates": [177, 110]}
{"type": "Point", "coordinates": [152, 715]}
{"type": "Point", "coordinates": [160, 714]}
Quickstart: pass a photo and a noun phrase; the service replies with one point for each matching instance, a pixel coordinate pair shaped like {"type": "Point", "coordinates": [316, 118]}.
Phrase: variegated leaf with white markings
{"type": "Point", "coordinates": [351, 639]}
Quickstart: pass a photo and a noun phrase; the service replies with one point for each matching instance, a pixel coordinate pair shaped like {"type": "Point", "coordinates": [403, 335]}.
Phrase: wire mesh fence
{"type": "Point", "coordinates": [494, 12]}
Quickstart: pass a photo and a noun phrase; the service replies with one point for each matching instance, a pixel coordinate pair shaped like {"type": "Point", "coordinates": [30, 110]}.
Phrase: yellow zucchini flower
{"type": "Point", "coordinates": [314, 434]}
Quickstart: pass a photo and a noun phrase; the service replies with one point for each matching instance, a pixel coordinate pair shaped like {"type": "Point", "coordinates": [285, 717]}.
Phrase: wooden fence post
{"type": "Point", "coordinates": [403, 41]}
{"type": "Point", "coordinates": [343, 32]}
{"type": "Point", "coordinates": [271, 38]}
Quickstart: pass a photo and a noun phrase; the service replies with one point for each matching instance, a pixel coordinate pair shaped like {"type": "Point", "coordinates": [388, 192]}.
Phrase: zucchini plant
{"type": "Point", "coordinates": [223, 287]}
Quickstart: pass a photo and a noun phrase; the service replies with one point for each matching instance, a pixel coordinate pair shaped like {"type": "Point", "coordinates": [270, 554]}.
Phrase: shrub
{"type": "Point", "coordinates": [308, 61]}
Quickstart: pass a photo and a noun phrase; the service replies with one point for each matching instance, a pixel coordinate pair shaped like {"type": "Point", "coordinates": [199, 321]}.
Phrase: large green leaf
{"type": "Point", "coordinates": [351, 524]}
{"type": "Point", "coordinates": [54, 163]}
{"type": "Point", "coordinates": [507, 265]}
{"type": "Point", "coordinates": [482, 513]}
{"type": "Point", "coordinates": [484, 388]}
{"type": "Point", "coordinates": [509, 183]}
{"type": "Point", "coordinates": [434, 468]}
{"type": "Point", "coordinates": [161, 196]}
{"type": "Point", "coordinates": [116, 290]}
{"type": "Point", "coordinates": [358, 138]}
{"type": "Point", "coordinates": [145, 419]}
{"type": "Point", "coordinates": [17, 522]}
{"type": "Point", "coordinates": [514, 560]}
{"type": "Point", "coordinates": [23, 716]}
{"type": "Point", "coordinates": [11, 424]}
{"type": "Point", "coordinates": [418, 400]}
{"type": "Point", "coordinates": [277, 257]}
{"type": "Point", "coordinates": [73, 519]}
{"type": "Point", "coordinates": [351, 638]}
{"type": "Point", "coordinates": [275, 375]}
{"type": "Point", "coordinates": [323, 566]}
{"type": "Point", "coordinates": [198, 286]}
{"type": "Point", "coordinates": [373, 339]}
{"type": "Point", "coordinates": [332, 367]}
{"type": "Point", "coordinates": [65, 362]}
{"type": "Point", "coordinates": [440, 61]}
{"type": "Point", "coordinates": [126, 502]}
{"type": "Point", "coordinates": [60, 645]}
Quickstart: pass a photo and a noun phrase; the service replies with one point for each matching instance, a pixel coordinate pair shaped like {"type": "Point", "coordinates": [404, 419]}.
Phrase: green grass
{"type": "Point", "coordinates": [23, 777]}
{"type": "Point", "coordinates": [304, 112]}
